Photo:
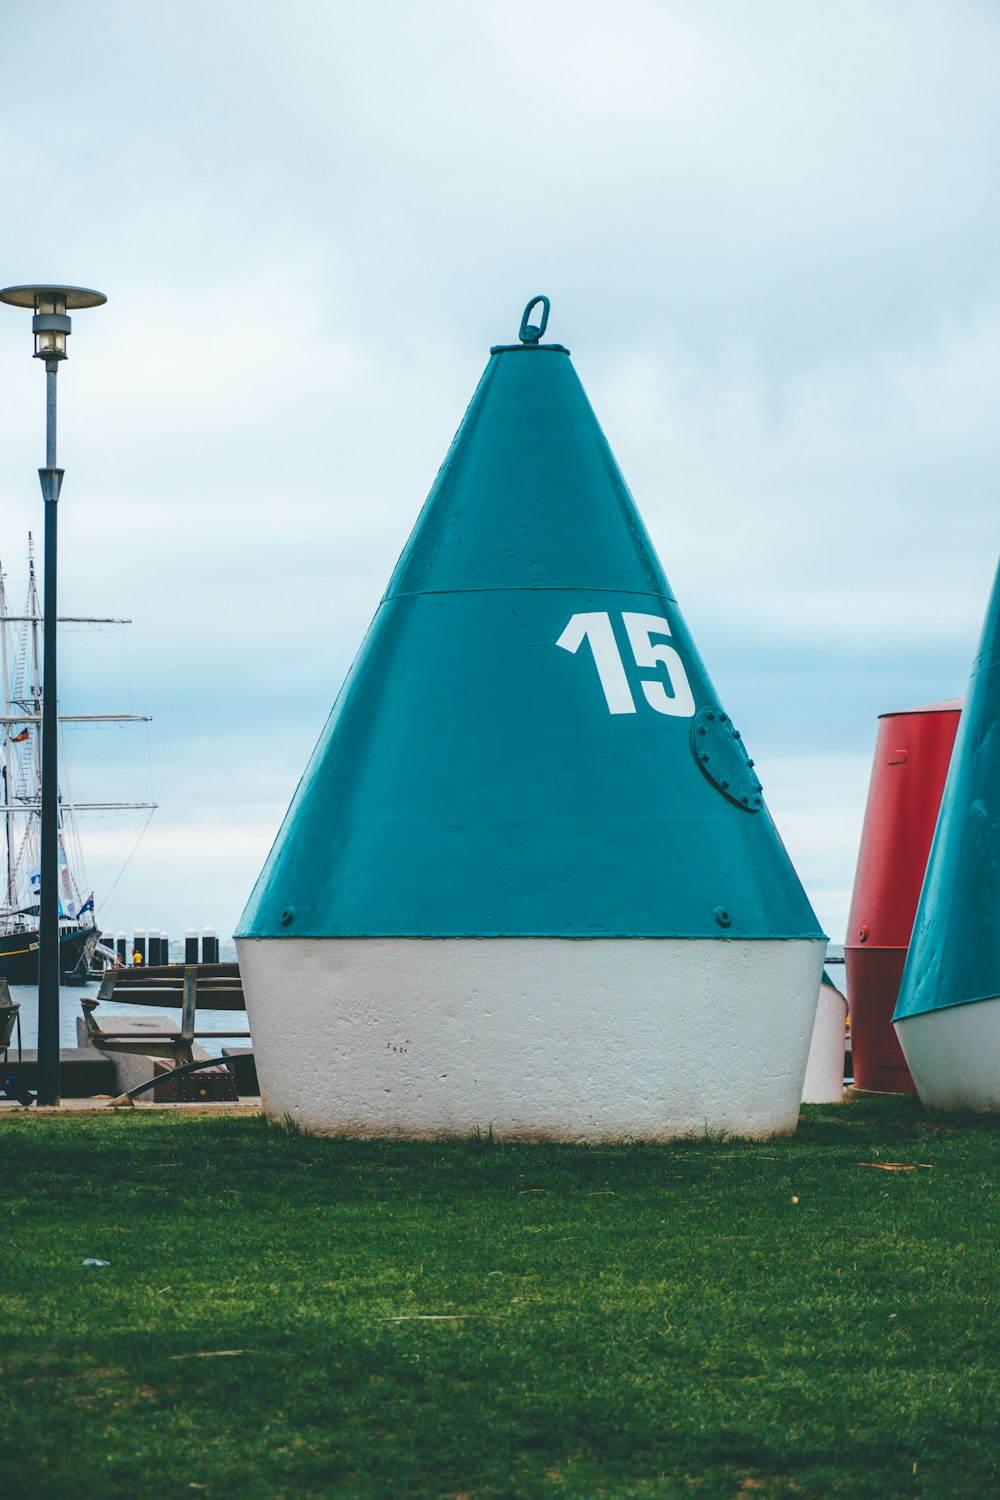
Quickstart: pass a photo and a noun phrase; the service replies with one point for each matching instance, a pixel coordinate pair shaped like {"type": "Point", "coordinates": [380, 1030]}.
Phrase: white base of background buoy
{"type": "Point", "coordinates": [533, 1038]}
{"type": "Point", "coordinates": [825, 1068]}
{"type": "Point", "coordinates": [954, 1055]}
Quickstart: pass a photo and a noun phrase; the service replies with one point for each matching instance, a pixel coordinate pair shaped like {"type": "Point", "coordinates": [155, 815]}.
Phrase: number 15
{"type": "Point", "coordinates": [640, 629]}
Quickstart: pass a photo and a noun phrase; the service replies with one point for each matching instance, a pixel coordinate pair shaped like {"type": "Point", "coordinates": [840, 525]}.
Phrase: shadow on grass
{"type": "Point", "coordinates": [286, 1315]}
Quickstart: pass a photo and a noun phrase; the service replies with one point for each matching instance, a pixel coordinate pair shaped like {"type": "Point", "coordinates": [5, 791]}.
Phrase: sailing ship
{"type": "Point", "coordinates": [21, 772]}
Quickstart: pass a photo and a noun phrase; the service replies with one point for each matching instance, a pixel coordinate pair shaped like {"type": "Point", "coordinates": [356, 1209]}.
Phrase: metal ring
{"type": "Point", "coordinates": [528, 333]}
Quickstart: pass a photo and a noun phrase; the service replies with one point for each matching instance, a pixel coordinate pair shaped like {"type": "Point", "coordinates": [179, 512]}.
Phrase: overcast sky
{"type": "Point", "coordinates": [771, 237]}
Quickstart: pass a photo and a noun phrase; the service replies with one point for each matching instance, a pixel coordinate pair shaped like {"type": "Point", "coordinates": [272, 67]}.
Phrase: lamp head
{"type": "Point", "coordinates": [51, 323]}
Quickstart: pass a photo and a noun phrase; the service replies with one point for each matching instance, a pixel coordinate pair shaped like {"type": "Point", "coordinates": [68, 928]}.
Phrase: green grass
{"type": "Point", "coordinates": [630, 1321]}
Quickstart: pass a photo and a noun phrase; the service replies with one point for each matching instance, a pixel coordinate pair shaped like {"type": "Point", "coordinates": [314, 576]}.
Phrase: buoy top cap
{"type": "Point", "coordinates": [73, 296]}
{"type": "Point", "coordinates": [530, 333]}
{"type": "Point", "coordinates": [947, 706]}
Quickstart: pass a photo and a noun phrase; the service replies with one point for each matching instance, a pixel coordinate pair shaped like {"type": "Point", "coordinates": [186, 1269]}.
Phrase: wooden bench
{"type": "Point", "coordinates": [192, 987]}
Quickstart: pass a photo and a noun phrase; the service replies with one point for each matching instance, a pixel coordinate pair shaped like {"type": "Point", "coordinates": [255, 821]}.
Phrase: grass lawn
{"type": "Point", "coordinates": [286, 1316]}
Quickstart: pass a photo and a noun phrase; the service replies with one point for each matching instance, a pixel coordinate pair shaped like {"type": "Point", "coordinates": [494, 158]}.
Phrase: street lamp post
{"type": "Point", "coordinates": [51, 327]}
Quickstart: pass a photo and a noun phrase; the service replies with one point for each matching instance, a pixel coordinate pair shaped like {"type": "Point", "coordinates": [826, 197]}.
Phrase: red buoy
{"type": "Point", "coordinates": [912, 755]}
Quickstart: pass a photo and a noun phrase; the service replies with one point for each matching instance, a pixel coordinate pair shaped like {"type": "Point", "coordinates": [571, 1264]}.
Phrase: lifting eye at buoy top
{"type": "Point", "coordinates": [530, 333]}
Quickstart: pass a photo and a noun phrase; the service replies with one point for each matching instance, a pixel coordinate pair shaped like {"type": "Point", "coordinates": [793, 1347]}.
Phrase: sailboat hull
{"type": "Point", "coordinates": [19, 954]}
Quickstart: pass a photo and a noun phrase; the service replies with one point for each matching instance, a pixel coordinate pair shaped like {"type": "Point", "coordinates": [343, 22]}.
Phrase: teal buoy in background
{"type": "Point", "coordinates": [947, 1016]}
{"type": "Point", "coordinates": [527, 753]}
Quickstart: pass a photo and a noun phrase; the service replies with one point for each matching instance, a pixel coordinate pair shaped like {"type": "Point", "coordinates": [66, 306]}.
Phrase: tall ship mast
{"type": "Point", "coordinates": [20, 803]}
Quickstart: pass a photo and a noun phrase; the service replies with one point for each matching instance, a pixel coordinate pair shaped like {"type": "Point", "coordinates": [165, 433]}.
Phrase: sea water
{"type": "Point", "coordinates": [26, 995]}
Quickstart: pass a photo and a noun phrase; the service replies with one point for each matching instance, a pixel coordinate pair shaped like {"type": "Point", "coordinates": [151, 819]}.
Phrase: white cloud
{"type": "Point", "coordinates": [768, 234]}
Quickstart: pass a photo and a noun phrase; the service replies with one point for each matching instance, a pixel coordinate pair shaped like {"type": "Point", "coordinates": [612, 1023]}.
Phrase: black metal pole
{"type": "Point", "coordinates": [51, 327]}
{"type": "Point", "coordinates": [48, 917]}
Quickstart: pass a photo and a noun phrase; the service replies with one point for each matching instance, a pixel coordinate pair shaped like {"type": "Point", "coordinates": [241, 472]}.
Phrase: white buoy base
{"type": "Point", "coordinates": [532, 1038]}
{"type": "Point", "coordinates": [825, 1067]}
{"type": "Point", "coordinates": [954, 1055]}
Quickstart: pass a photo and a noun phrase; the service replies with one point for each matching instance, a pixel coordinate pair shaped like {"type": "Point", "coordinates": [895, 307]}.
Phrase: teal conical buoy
{"type": "Point", "coordinates": [947, 1016]}
{"type": "Point", "coordinates": [528, 752]}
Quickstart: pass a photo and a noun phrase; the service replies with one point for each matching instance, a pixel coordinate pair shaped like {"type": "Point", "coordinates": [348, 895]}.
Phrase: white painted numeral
{"type": "Point", "coordinates": [640, 630]}
{"type": "Point", "coordinates": [596, 628]}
